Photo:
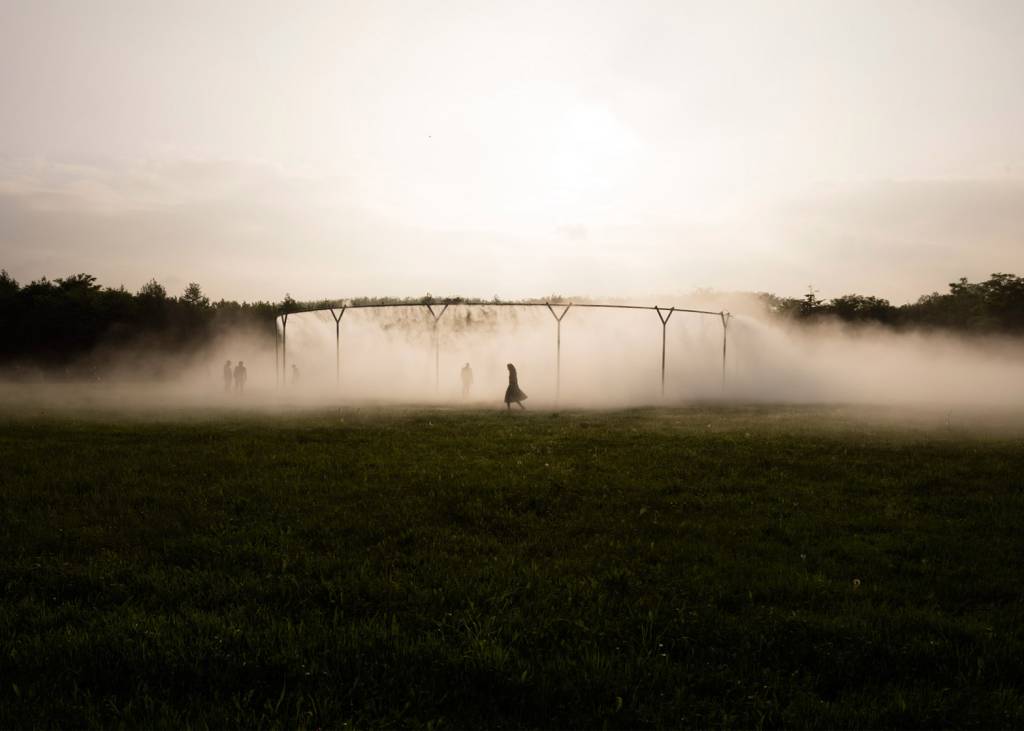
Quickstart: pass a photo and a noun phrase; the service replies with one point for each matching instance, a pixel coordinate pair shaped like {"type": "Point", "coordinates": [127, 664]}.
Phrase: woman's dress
{"type": "Point", "coordinates": [513, 393]}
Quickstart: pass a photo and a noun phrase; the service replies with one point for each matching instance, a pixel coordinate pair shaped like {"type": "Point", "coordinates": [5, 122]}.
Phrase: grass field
{"type": "Point", "coordinates": [655, 568]}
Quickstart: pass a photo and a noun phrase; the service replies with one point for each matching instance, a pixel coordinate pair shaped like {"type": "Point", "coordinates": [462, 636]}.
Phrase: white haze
{"type": "Point", "coordinates": [609, 359]}
{"type": "Point", "coordinates": [612, 358]}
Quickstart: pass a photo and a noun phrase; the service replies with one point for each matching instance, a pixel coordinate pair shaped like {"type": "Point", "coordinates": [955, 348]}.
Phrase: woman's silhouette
{"type": "Point", "coordinates": [513, 392]}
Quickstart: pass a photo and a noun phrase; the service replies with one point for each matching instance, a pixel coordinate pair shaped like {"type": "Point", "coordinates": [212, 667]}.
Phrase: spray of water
{"type": "Point", "coordinates": [608, 358]}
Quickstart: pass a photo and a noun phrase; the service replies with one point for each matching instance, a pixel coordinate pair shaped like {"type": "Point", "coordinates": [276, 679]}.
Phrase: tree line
{"type": "Point", "coordinates": [995, 305]}
{"type": "Point", "coordinates": [76, 325]}
{"type": "Point", "coordinates": [74, 322]}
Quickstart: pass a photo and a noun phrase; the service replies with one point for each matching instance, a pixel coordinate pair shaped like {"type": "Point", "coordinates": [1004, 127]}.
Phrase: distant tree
{"type": "Point", "coordinates": [194, 296]}
{"type": "Point", "coordinates": [783, 306]}
{"type": "Point", "coordinates": [153, 290]}
{"type": "Point", "coordinates": [1003, 295]}
{"type": "Point", "coordinates": [858, 308]}
{"type": "Point", "coordinates": [81, 282]}
{"type": "Point", "coordinates": [810, 305]}
{"type": "Point", "coordinates": [995, 305]}
{"type": "Point", "coordinates": [8, 285]}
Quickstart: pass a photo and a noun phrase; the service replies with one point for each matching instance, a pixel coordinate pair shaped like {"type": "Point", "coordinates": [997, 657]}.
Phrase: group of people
{"type": "Point", "coordinates": [513, 394]}
{"type": "Point", "coordinates": [234, 377]}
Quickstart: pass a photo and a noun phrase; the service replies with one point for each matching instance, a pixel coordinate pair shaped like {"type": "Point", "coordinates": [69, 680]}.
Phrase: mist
{"type": "Point", "coordinates": [612, 358]}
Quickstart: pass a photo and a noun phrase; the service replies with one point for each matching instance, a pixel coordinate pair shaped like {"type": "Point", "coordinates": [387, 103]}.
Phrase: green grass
{"type": "Point", "coordinates": [689, 567]}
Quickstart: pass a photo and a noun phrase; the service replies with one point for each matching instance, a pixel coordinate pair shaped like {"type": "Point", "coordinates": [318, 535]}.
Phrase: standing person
{"type": "Point", "coordinates": [228, 375]}
{"type": "Point", "coordinates": [467, 380]}
{"type": "Point", "coordinates": [513, 393]}
{"type": "Point", "coordinates": [240, 375]}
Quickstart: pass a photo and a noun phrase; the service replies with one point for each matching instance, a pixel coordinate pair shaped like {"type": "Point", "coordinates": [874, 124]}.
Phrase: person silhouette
{"type": "Point", "coordinates": [240, 375]}
{"type": "Point", "coordinates": [467, 380]}
{"type": "Point", "coordinates": [513, 393]}
{"type": "Point", "coordinates": [228, 375]}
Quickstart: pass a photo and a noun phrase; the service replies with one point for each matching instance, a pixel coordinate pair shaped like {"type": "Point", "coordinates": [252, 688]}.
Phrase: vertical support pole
{"type": "Point", "coordinates": [664, 323]}
{"type": "Point", "coordinates": [558, 348]}
{"type": "Point", "coordinates": [277, 355]}
{"type": "Point", "coordinates": [558, 363]}
{"type": "Point", "coordinates": [663, 360]}
{"type": "Point", "coordinates": [337, 344]}
{"type": "Point", "coordinates": [437, 344]}
{"type": "Point", "coordinates": [725, 330]}
{"type": "Point", "coordinates": [284, 348]}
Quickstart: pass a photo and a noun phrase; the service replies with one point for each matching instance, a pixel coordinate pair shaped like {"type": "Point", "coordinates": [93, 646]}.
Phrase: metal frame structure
{"type": "Point", "coordinates": [338, 311]}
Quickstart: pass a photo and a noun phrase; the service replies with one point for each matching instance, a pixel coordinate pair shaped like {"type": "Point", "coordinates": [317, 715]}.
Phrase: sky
{"type": "Point", "coordinates": [619, 149]}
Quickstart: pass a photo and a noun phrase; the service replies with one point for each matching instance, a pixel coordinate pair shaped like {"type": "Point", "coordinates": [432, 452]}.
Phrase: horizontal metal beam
{"type": "Point", "coordinates": [484, 303]}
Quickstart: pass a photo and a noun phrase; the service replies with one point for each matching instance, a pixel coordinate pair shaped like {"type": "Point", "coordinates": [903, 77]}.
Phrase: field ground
{"type": "Point", "coordinates": [702, 566]}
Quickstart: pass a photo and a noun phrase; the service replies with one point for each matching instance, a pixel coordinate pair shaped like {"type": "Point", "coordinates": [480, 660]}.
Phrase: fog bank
{"type": "Point", "coordinates": [609, 359]}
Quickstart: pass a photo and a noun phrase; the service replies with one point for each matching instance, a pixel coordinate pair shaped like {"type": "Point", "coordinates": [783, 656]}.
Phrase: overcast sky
{"type": "Point", "coordinates": [333, 149]}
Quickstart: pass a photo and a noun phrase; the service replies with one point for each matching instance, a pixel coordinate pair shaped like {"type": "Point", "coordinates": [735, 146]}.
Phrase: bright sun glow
{"type": "Point", "coordinates": [521, 160]}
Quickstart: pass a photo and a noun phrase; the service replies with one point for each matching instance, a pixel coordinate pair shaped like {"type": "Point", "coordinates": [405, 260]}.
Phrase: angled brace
{"type": "Point", "coordinates": [436, 315]}
{"type": "Point", "coordinates": [337, 318]}
{"type": "Point", "coordinates": [558, 318]}
{"type": "Point", "coordinates": [664, 318]}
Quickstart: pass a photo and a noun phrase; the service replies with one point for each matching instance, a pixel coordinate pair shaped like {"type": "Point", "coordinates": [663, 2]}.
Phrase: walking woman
{"type": "Point", "coordinates": [513, 393]}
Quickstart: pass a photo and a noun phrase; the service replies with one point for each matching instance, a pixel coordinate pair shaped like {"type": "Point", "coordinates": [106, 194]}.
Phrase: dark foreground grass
{"type": "Point", "coordinates": [740, 567]}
